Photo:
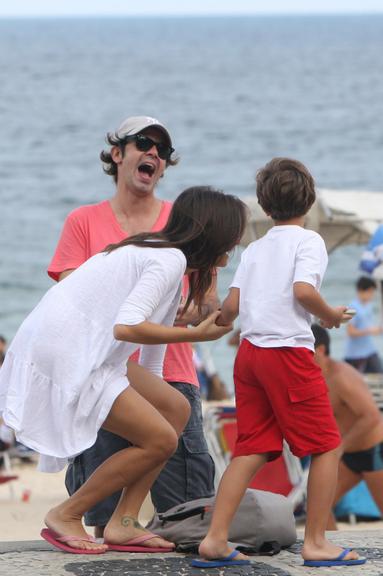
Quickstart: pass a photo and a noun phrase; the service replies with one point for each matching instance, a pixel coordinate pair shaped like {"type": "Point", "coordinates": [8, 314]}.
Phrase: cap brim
{"type": "Point", "coordinates": [160, 128]}
{"type": "Point", "coordinates": [136, 124]}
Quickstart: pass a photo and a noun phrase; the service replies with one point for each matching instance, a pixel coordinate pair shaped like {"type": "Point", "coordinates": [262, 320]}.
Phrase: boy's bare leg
{"type": "Point", "coordinates": [320, 496]}
{"type": "Point", "coordinates": [154, 441]}
{"type": "Point", "coordinates": [347, 479]}
{"type": "Point", "coordinates": [231, 489]}
{"type": "Point", "coordinates": [174, 407]}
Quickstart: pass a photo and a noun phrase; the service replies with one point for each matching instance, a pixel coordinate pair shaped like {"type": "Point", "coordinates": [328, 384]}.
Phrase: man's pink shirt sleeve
{"type": "Point", "coordinates": [72, 248]}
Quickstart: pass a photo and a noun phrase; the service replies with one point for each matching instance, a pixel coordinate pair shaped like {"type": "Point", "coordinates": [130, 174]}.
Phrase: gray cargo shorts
{"type": "Point", "coordinates": [188, 474]}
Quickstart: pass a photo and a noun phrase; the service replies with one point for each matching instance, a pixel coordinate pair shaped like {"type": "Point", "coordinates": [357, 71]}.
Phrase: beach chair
{"type": "Point", "coordinates": [285, 475]}
{"type": "Point", "coordinates": [375, 384]}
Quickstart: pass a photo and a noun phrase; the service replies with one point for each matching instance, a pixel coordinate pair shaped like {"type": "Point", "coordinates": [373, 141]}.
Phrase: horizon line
{"type": "Point", "coordinates": [192, 14]}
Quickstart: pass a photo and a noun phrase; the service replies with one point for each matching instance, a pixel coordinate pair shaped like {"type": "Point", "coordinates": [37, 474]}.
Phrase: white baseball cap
{"type": "Point", "coordinates": [135, 124]}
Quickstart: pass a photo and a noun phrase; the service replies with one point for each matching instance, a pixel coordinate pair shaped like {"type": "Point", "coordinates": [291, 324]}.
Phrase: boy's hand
{"type": "Point", "coordinates": [335, 318]}
{"type": "Point", "coordinates": [220, 320]}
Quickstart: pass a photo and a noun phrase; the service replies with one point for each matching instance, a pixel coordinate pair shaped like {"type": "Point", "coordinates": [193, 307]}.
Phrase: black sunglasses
{"type": "Point", "coordinates": [144, 143]}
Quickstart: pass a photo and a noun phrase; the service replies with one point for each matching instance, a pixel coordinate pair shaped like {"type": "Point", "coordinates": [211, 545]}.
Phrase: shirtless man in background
{"type": "Point", "coordinates": [360, 423]}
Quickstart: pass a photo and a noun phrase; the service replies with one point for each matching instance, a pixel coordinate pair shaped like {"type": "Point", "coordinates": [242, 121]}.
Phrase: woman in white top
{"type": "Point", "coordinates": [65, 373]}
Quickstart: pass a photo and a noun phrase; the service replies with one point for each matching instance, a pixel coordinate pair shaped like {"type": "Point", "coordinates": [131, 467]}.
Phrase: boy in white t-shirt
{"type": "Point", "coordinates": [280, 391]}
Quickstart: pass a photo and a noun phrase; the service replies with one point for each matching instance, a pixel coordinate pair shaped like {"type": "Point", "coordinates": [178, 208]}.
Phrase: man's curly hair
{"type": "Point", "coordinates": [108, 164]}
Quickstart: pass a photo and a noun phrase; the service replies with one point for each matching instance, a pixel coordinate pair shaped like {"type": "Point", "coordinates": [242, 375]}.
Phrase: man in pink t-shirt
{"type": "Point", "coordinates": [140, 152]}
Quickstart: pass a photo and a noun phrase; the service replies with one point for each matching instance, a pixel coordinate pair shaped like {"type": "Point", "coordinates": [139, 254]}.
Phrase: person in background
{"type": "Point", "coordinates": [361, 351]}
{"type": "Point", "coordinates": [372, 258]}
{"type": "Point", "coordinates": [360, 423]}
{"type": "Point", "coordinates": [211, 385]}
{"type": "Point", "coordinates": [140, 153]}
{"type": "Point", "coordinates": [6, 435]}
{"type": "Point", "coordinates": [7, 438]}
{"type": "Point", "coordinates": [280, 391]}
{"type": "Point", "coordinates": [234, 339]}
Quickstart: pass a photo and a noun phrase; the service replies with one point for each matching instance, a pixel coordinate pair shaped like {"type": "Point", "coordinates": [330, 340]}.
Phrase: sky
{"type": "Point", "coordinates": [21, 8]}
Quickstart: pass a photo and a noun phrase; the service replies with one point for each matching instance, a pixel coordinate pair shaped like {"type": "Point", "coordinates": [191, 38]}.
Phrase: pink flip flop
{"type": "Point", "coordinates": [60, 542]}
{"type": "Point", "coordinates": [133, 545]}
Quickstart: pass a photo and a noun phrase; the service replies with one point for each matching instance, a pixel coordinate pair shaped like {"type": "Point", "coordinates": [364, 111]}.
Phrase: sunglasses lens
{"type": "Point", "coordinates": [164, 151]}
{"type": "Point", "coordinates": [144, 143]}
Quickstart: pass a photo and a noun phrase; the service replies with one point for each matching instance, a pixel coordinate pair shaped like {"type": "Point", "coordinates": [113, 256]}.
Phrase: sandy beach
{"type": "Point", "coordinates": [25, 501]}
{"type": "Point", "coordinates": [23, 508]}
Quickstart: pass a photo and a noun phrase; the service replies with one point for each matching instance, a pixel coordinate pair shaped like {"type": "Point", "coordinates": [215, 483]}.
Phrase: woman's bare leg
{"type": "Point", "coordinates": [174, 407]}
{"type": "Point", "coordinates": [154, 441]}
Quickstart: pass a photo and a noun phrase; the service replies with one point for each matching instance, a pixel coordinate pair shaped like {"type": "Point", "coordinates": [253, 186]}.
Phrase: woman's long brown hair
{"type": "Point", "coordinates": [204, 224]}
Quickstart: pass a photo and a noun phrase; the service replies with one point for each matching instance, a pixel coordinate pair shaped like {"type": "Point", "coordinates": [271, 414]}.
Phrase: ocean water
{"type": "Point", "coordinates": [234, 92]}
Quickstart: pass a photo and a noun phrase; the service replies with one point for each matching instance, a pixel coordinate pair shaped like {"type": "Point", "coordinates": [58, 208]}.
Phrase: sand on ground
{"type": "Point", "coordinates": [25, 501]}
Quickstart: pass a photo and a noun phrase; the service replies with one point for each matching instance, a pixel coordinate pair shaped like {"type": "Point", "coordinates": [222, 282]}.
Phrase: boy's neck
{"type": "Point", "coordinates": [298, 221]}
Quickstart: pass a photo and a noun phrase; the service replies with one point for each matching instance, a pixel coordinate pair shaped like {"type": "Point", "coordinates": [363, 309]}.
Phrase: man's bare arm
{"type": "Point", "coordinates": [354, 393]}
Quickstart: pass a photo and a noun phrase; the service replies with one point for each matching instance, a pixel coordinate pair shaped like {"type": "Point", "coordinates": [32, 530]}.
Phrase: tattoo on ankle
{"type": "Point", "coordinates": [130, 521]}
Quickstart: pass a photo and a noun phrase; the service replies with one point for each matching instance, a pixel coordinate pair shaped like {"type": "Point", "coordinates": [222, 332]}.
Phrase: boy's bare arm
{"type": "Point", "coordinates": [230, 308]}
{"type": "Point", "coordinates": [312, 301]}
{"type": "Point", "coordinates": [353, 392]}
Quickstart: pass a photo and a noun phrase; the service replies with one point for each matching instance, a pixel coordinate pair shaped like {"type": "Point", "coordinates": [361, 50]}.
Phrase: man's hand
{"type": "Point", "coordinates": [192, 315]}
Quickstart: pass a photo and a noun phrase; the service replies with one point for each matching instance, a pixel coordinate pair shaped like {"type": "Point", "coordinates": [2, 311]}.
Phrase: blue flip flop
{"type": "Point", "coordinates": [339, 561]}
{"type": "Point", "coordinates": [218, 562]}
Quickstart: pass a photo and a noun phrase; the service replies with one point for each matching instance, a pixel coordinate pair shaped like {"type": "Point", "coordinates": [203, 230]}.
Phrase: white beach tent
{"type": "Point", "coordinates": [340, 216]}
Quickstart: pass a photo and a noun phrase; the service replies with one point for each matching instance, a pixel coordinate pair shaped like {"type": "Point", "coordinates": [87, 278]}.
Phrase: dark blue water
{"type": "Point", "coordinates": [234, 92]}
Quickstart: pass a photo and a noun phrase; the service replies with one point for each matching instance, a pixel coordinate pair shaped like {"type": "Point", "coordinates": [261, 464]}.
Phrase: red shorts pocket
{"type": "Point", "coordinates": [307, 391]}
{"type": "Point", "coordinates": [310, 426]}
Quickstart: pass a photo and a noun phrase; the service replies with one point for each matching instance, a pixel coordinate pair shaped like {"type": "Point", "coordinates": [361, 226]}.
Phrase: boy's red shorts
{"type": "Point", "coordinates": [281, 393]}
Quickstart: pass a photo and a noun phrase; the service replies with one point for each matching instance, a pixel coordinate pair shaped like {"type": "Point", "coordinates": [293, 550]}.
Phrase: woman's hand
{"type": "Point", "coordinates": [208, 329]}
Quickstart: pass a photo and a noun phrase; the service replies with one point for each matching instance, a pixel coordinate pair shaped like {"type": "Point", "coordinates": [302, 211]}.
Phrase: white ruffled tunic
{"type": "Point", "coordinates": [64, 369]}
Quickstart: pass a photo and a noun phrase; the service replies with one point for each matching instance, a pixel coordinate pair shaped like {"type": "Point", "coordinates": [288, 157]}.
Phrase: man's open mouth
{"type": "Point", "coordinates": [146, 168]}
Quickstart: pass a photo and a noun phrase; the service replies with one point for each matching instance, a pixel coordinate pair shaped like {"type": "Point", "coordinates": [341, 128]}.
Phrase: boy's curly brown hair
{"type": "Point", "coordinates": [285, 189]}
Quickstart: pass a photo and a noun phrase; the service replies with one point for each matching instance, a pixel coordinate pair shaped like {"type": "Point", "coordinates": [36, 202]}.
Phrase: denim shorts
{"type": "Point", "coordinates": [188, 474]}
